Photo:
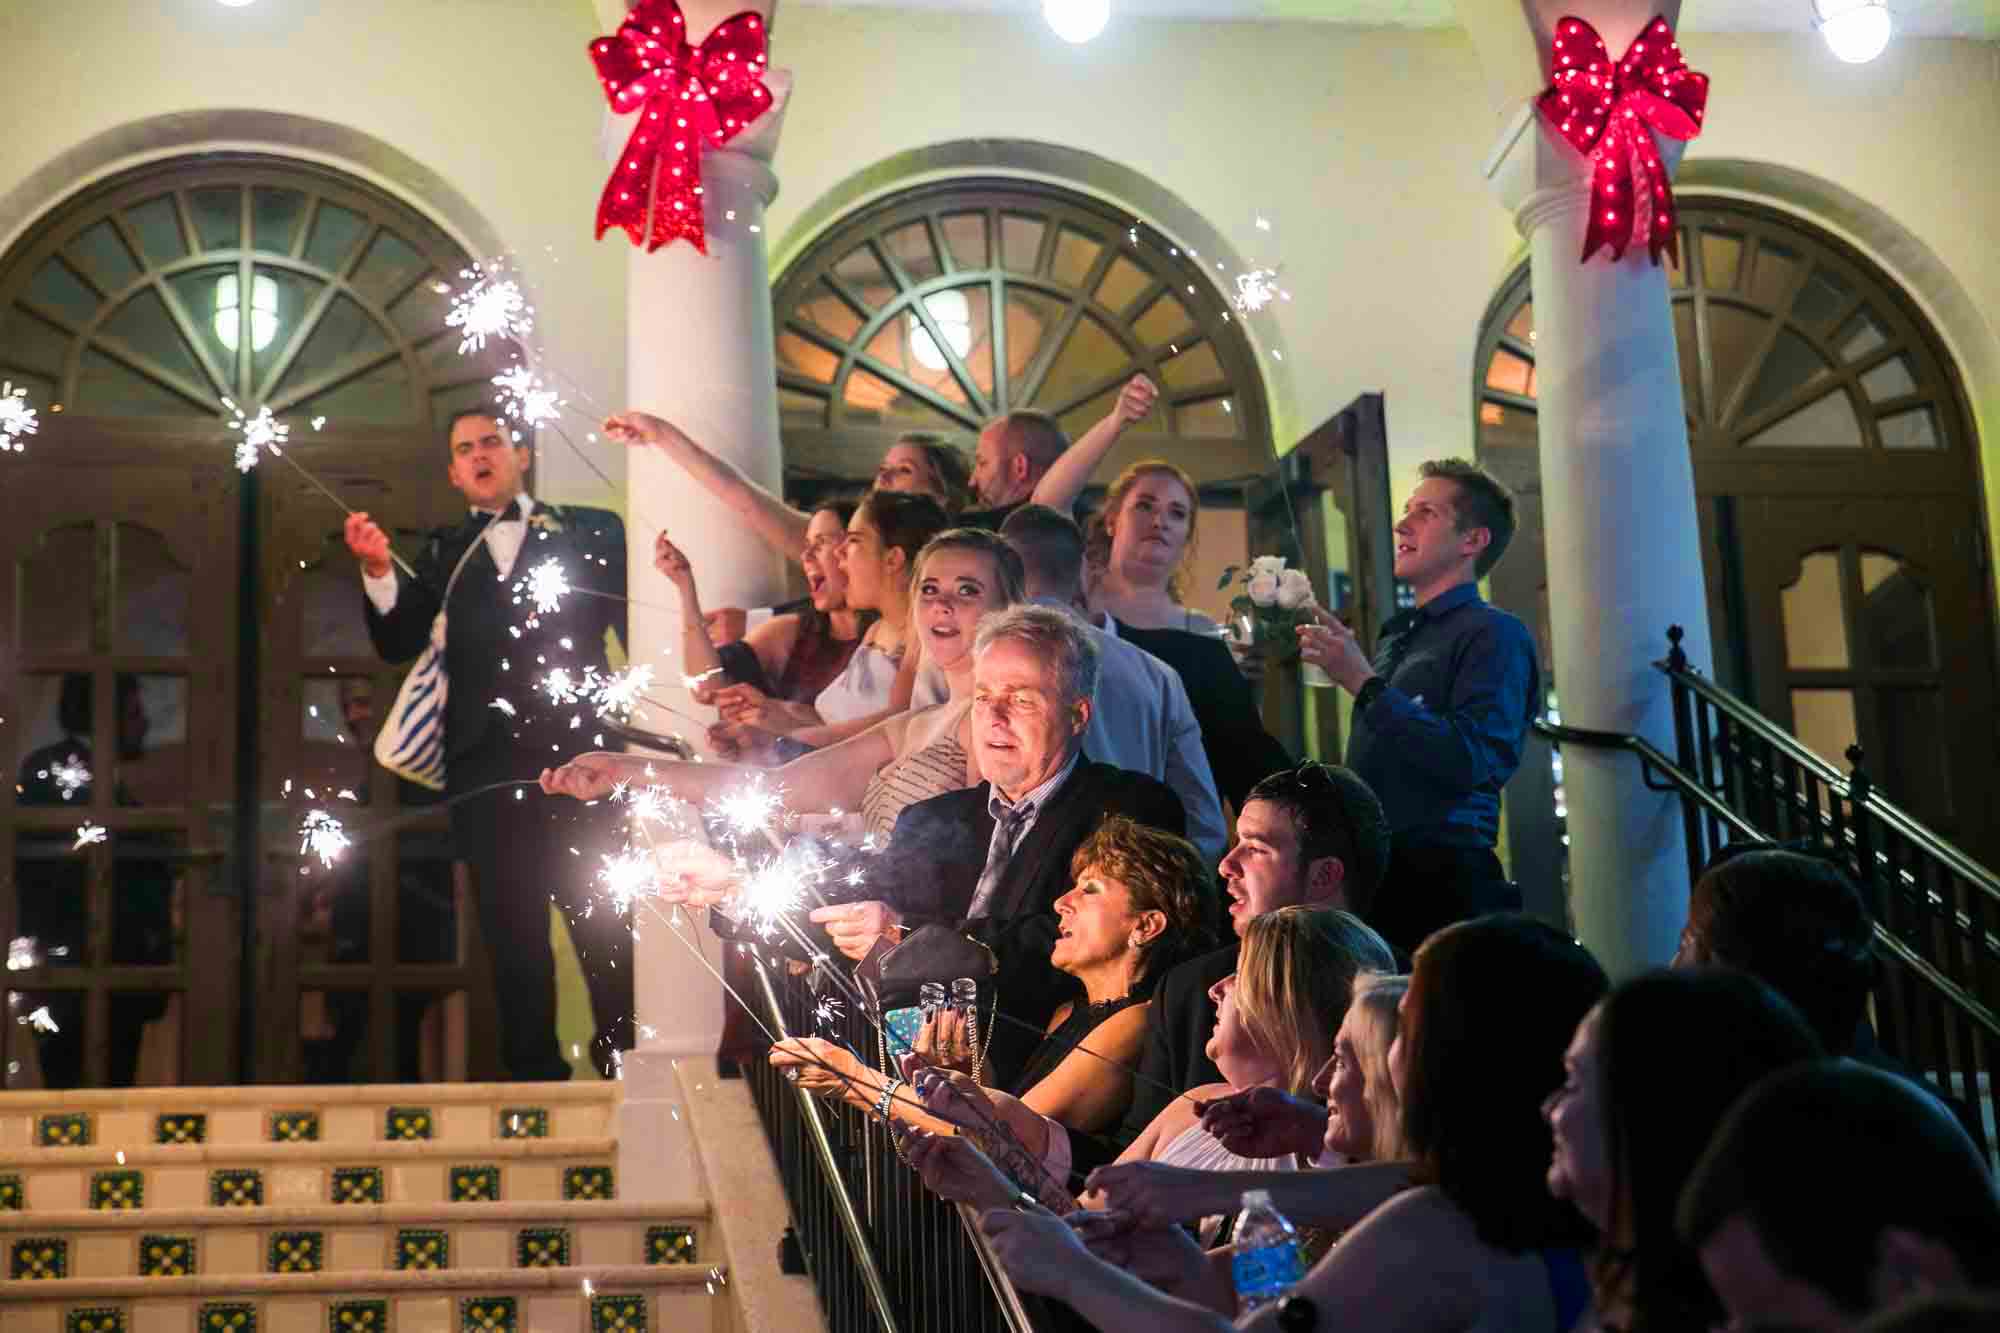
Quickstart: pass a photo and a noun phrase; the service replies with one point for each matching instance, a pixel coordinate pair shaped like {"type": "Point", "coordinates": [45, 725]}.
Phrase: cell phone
{"type": "Point", "coordinates": [902, 1026]}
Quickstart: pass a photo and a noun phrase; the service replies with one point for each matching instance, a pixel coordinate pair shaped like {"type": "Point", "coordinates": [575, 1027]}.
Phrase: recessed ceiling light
{"type": "Point", "coordinates": [1077, 20]}
{"type": "Point", "coordinates": [1856, 30]}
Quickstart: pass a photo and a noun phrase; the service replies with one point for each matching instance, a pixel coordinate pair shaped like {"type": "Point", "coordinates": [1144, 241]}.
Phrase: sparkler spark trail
{"type": "Point", "coordinates": [492, 307]}
{"type": "Point", "coordinates": [749, 808]}
{"type": "Point", "coordinates": [16, 418]}
{"type": "Point", "coordinates": [322, 835]}
{"type": "Point", "coordinates": [89, 834]}
{"type": "Point", "coordinates": [71, 775]}
{"type": "Point", "coordinates": [42, 1020]}
{"type": "Point", "coordinates": [526, 399]}
{"type": "Point", "coordinates": [616, 694]}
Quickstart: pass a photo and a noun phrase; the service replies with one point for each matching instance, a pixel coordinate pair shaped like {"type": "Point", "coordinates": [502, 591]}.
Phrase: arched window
{"type": "Point", "coordinates": [267, 282]}
{"type": "Point", "coordinates": [943, 306]}
{"type": "Point", "coordinates": [1836, 474]}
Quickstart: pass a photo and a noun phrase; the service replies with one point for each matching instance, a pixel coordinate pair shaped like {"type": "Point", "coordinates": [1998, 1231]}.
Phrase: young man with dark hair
{"type": "Point", "coordinates": [1311, 836]}
{"type": "Point", "coordinates": [1442, 710]}
{"type": "Point", "coordinates": [516, 845]}
{"type": "Point", "coordinates": [1832, 1191]}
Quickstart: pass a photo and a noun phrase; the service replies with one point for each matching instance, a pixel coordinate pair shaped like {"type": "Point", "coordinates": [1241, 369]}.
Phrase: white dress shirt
{"type": "Point", "coordinates": [503, 543]}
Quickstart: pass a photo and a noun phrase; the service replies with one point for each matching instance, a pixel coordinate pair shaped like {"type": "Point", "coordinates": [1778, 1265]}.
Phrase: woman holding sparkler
{"type": "Point", "coordinates": [876, 556]}
{"type": "Point", "coordinates": [961, 575]}
{"type": "Point", "coordinates": [1139, 905]}
{"type": "Point", "coordinates": [790, 658]}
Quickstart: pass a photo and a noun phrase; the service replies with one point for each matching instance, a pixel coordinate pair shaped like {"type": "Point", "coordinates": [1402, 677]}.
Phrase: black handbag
{"type": "Point", "coordinates": [892, 979]}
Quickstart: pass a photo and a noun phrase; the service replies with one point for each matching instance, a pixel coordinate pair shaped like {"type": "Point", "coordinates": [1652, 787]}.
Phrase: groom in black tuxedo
{"type": "Point", "coordinates": [498, 651]}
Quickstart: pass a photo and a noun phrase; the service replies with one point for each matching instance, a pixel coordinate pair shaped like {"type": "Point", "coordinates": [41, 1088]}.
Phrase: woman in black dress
{"type": "Point", "coordinates": [1147, 528]}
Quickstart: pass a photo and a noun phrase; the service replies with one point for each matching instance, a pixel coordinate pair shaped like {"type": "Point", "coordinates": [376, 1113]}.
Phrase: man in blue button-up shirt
{"type": "Point", "coordinates": [1442, 709]}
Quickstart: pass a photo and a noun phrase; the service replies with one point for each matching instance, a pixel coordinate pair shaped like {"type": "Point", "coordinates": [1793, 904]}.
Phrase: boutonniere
{"type": "Point", "coordinates": [544, 520]}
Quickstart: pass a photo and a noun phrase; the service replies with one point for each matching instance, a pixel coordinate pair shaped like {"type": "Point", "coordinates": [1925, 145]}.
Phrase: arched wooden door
{"type": "Point", "coordinates": [194, 635]}
{"type": "Point", "coordinates": [1837, 477]}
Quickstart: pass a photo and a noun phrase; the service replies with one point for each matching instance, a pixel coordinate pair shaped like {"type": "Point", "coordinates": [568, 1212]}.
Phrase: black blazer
{"type": "Point", "coordinates": [1178, 1026]}
{"type": "Point", "coordinates": [932, 864]}
{"type": "Point", "coordinates": [590, 543]}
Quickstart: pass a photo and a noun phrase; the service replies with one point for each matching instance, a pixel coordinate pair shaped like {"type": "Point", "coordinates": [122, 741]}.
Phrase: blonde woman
{"type": "Point", "coordinates": [1147, 534]}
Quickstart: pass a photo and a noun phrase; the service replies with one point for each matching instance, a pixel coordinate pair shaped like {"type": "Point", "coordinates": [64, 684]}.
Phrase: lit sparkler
{"type": "Point", "coordinates": [615, 694]}
{"type": "Point", "coordinates": [492, 307]}
{"type": "Point", "coordinates": [749, 808]}
{"type": "Point", "coordinates": [16, 418]}
{"type": "Point", "coordinates": [89, 834]}
{"type": "Point", "coordinates": [525, 398]}
{"type": "Point", "coordinates": [42, 1020]}
{"type": "Point", "coordinates": [22, 955]}
{"type": "Point", "coordinates": [545, 585]}
{"type": "Point", "coordinates": [626, 876]}
{"type": "Point", "coordinates": [71, 775]}
{"type": "Point", "coordinates": [1257, 289]}
{"type": "Point", "coordinates": [260, 432]}
{"type": "Point", "coordinates": [322, 835]}
{"type": "Point", "coordinates": [561, 686]}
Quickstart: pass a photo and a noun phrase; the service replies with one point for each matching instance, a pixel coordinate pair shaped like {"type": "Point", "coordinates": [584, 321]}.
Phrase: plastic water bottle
{"type": "Point", "coordinates": [1266, 1261]}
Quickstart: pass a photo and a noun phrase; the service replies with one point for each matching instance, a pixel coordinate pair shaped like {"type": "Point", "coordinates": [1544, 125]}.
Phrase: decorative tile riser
{"type": "Point", "coordinates": [22, 1124]}
{"type": "Point", "coordinates": [361, 1240]}
{"type": "Point", "coordinates": [407, 1178]}
{"type": "Point", "coordinates": [550, 1301]}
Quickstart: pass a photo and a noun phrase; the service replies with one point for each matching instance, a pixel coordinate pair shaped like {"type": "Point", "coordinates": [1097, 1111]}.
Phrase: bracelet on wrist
{"type": "Point", "coordinates": [888, 1097]}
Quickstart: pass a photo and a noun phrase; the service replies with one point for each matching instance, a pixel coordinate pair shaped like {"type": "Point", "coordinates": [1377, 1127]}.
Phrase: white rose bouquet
{"type": "Point", "coordinates": [1274, 602]}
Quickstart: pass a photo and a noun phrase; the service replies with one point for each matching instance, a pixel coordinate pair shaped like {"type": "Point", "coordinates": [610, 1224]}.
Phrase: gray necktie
{"type": "Point", "coordinates": [1006, 831]}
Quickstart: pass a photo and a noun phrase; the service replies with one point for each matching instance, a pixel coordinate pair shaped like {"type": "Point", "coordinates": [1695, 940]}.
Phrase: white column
{"type": "Point", "coordinates": [1624, 548]}
{"type": "Point", "coordinates": [698, 352]}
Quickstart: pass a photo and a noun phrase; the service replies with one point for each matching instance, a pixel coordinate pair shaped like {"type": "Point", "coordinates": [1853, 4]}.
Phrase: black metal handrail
{"type": "Point", "coordinates": [1741, 777]}
{"type": "Point", "coordinates": [884, 1253]}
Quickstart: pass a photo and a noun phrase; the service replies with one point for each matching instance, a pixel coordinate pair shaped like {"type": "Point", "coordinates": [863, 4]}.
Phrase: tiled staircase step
{"type": "Point", "coordinates": [358, 1214]}
{"type": "Point", "coordinates": [371, 1173]}
{"type": "Point", "coordinates": [356, 1241]}
{"type": "Point", "coordinates": [602, 1299]}
{"type": "Point", "coordinates": [110, 1156]}
{"type": "Point", "coordinates": [373, 1113]}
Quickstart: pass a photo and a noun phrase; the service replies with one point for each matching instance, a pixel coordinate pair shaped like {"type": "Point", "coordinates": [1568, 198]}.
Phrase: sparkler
{"type": "Point", "coordinates": [16, 418]}
{"type": "Point", "coordinates": [42, 1020]}
{"type": "Point", "coordinates": [626, 876]}
{"type": "Point", "coordinates": [545, 585]}
{"type": "Point", "coordinates": [616, 694]}
{"type": "Point", "coordinates": [21, 954]}
{"type": "Point", "coordinates": [323, 836]}
{"type": "Point", "coordinates": [89, 834]}
{"type": "Point", "coordinates": [492, 307]}
{"type": "Point", "coordinates": [1257, 289]}
{"type": "Point", "coordinates": [749, 808]}
{"type": "Point", "coordinates": [71, 775]}
{"type": "Point", "coordinates": [260, 432]}
{"type": "Point", "coordinates": [525, 398]}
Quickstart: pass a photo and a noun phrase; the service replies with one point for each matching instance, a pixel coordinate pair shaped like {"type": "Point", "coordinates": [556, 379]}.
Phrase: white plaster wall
{"type": "Point", "coordinates": [1364, 145]}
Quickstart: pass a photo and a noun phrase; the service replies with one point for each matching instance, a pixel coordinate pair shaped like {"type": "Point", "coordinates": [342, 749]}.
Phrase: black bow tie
{"type": "Point", "coordinates": [477, 521]}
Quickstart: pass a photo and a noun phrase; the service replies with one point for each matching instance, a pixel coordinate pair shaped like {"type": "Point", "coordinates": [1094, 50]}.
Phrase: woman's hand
{"type": "Point", "coordinates": [588, 777]}
{"type": "Point", "coordinates": [748, 706]}
{"type": "Point", "coordinates": [1163, 1256]}
{"type": "Point", "coordinates": [670, 560]}
{"type": "Point", "coordinates": [1265, 1122]}
{"type": "Point", "coordinates": [1035, 1248]}
{"type": "Point", "coordinates": [636, 427]}
{"type": "Point", "coordinates": [952, 1168]}
{"type": "Point", "coordinates": [735, 744]}
{"type": "Point", "coordinates": [694, 874]}
{"type": "Point", "coordinates": [1159, 1195]}
{"type": "Point", "coordinates": [824, 1069]}
{"type": "Point", "coordinates": [943, 1042]}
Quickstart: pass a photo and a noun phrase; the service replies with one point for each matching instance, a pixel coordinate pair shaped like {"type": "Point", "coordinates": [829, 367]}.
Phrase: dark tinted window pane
{"type": "Point", "coordinates": [153, 592]}
{"type": "Point", "coordinates": [146, 887]}
{"type": "Point", "coordinates": [218, 217]}
{"type": "Point", "coordinates": [57, 579]}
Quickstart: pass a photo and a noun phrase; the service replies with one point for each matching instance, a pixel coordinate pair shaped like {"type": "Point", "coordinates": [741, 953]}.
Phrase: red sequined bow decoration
{"type": "Point", "coordinates": [688, 97]}
{"type": "Point", "coordinates": [1606, 110]}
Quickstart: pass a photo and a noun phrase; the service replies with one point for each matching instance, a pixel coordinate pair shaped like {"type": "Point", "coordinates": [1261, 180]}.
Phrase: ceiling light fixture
{"type": "Point", "coordinates": [1856, 30]}
{"type": "Point", "coordinates": [1077, 20]}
